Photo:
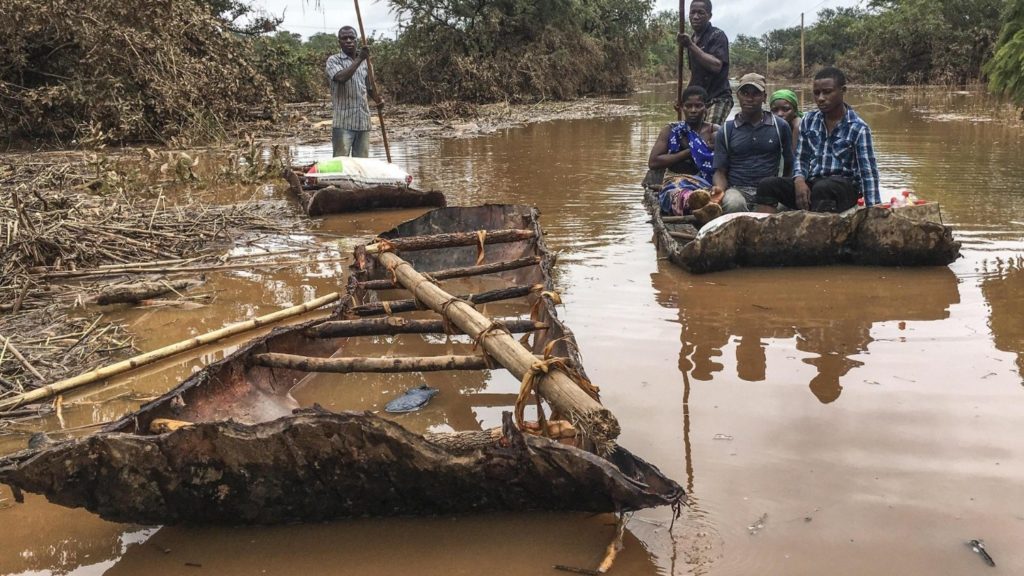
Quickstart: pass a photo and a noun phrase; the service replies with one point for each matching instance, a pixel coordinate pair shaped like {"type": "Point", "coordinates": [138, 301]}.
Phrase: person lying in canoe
{"type": "Point", "coordinates": [684, 150]}
{"type": "Point", "coordinates": [753, 146]}
{"type": "Point", "coordinates": [835, 157]}
{"type": "Point", "coordinates": [784, 104]}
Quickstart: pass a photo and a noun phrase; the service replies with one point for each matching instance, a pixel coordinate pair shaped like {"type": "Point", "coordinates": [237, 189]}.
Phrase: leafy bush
{"type": "Point", "coordinates": [1006, 69]}
{"type": "Point", "coordinates": [515, 50]}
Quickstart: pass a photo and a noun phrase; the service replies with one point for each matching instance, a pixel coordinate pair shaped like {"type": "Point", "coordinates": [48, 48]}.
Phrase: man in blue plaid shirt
{"type": "Point", "coordinates": [835, 159]}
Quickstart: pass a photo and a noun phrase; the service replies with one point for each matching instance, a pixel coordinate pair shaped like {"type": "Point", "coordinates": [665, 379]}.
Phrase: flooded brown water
{"type": "Point", "coordinates": [832, 420]}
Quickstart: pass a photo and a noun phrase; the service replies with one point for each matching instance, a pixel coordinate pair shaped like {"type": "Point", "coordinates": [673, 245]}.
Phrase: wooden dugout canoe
{"type": "Point", "coordinates": [251, 455]}
{"type": "Point", "coordinates": [875, 236]}
{"type": "Point", "coordinates": [320, 199]}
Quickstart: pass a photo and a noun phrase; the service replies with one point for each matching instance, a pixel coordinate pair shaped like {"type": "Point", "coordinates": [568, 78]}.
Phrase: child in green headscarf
{"type": "Point", "coordinates": [786, 105]}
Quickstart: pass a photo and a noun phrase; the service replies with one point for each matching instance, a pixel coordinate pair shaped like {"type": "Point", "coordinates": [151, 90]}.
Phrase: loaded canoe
{"type": "Point", "coordinates": [355, 185]}
{"type": "Point", "coordinates": [232, 445]}
{"type": "Point", "coordinates": [875, 236]}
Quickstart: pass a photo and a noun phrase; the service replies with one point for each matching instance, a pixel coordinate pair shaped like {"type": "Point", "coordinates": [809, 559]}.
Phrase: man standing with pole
{"type": "Point", "coordinates": [708, 52]}
{"type": "Point", "coordinates": [347, 73]}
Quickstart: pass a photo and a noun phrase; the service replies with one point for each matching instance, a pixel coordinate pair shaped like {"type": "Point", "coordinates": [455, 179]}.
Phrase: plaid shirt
{"type": "Point", "coordinates": [351, 109]}
{"type": "Point", "coordinates": [846, 152]}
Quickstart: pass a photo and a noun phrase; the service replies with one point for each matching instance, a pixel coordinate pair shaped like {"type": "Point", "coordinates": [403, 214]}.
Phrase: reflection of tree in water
{"type": "Point", "coordinates": [1005, 295]}
{"type": "Point", "coordinates": [829, 313]}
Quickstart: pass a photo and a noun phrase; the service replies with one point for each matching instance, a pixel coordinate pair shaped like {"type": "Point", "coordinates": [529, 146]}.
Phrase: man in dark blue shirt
{"type": "Point", "coordinates": [754, 146]}
{"type": "Point", "coordinates": [708, 51]}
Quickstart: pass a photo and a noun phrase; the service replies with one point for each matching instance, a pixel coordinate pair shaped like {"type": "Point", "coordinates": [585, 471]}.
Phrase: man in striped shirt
{"type": "Point", "coordinates": [347, 73]}
{"type": "Point", "coordinates": [835, 158]}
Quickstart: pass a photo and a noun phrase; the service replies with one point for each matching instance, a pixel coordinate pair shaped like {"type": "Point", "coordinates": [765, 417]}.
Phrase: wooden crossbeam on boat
{"type": "Point", "coordinates": [450, 240]}
{"type": "Point", "coordinates": [394, 325]}
{"type": "Point", "coordinates": [410, 304]}
{"type": "Point", "coordinates": [457, 272]}
{"type": "Point", "coordinates": [394, 364]}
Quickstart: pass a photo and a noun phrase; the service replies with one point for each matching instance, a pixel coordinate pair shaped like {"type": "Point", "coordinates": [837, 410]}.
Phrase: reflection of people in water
{"type": "Point", "coordinates": [834, 360]}
{"type": "Point", "coordinates": [713, 317]}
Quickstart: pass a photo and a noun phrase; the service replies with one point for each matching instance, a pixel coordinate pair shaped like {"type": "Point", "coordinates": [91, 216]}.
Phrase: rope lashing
{"type": "Point", "coordinates": [444, 313]}
{"type": "Point", "coordinates": [530, 380]}
{"type": "Point", "coordinates": [496, 326]}
{"type": "Point", "coordinates": [384, 245]}
{"type": "Point", "coordinates": [481, 237]}
{"type": "Point", "coordinates": [585, 384]}
{"type": "Point", "coordinates": [555, 297]}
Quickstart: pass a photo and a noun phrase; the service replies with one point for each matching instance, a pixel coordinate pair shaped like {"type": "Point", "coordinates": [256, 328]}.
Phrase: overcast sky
{"type": "Point", "coordinates": [751, 17]}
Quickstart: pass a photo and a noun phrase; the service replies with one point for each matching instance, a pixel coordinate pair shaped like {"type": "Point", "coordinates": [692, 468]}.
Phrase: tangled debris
{"type": "Point", "coordinates": [79, 229]}
{"type": "Point", "coordinates": [124, 70]}
{"type": "Point", "coordinates": [47, 344]}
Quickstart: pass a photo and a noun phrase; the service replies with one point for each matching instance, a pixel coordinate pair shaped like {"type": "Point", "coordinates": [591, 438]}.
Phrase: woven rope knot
{"type": "Point", "coordinates": [481, 239]}
{"type": "Point", "coordinates": [385, 245]}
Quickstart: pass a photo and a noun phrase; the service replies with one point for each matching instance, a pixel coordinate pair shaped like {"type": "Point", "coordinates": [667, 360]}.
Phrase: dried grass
{"type": "Point", "coordinates": [104, 71]}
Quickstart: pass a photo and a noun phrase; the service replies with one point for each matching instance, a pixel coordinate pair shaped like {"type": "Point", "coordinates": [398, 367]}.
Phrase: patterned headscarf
{"type": "Point", "coordinates": [790, 96]}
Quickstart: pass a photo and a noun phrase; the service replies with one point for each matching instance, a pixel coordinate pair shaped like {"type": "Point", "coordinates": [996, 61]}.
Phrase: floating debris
{"type": "Point", "coordinates": [758, 524]}
{"type": "Point", "coordinates": [979, 547]}
{"type": "Point", "coordinates": [412, 400]}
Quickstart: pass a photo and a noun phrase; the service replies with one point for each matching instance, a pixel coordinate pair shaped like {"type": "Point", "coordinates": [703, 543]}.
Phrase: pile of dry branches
{"type": "Point", "coordinates": [67, 220]}
{"type": "Point", "coordinates": [42, 235]}
{"type": "Point", "coordinates": [124, 70]}
{"type": "Point", "coordinates": [47, 344]}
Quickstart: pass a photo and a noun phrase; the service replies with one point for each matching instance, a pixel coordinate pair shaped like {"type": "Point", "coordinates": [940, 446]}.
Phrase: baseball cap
{"type": "Point", "coordinates": [752, 79]}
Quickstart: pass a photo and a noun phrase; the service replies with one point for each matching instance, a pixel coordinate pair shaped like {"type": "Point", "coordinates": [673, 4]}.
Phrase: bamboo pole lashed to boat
{"type": "Point", "coordinates": [392, 364]}
{"type": "Point", "coordinates": [394, 325]}
{"type": "Point", "coordinates": [161, 353]}
{"type": "Point", "coordinates": [565, 395]}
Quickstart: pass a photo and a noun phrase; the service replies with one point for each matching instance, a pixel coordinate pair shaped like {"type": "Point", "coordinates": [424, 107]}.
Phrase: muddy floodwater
{"type": "Point", "coordinates": [835, 420]}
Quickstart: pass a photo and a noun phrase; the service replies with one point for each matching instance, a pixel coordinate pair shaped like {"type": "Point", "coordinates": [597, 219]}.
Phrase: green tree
{"type": "Point", "coordinates": [746, 54]}
{"type": "Point", "coordinates": [487, 50]}
{"type": "Point", "coordinates": [1006, 68]}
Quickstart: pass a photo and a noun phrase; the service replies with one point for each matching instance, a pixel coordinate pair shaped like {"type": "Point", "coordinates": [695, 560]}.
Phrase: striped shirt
{"type": "Point", "coordinates": [846, 152]}
{"type": "Point", "coordinates": [351, 109]}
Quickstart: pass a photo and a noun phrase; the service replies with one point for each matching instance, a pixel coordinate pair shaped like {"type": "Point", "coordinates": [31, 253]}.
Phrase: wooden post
{"type": "Point", "coordinates": [803, 70]}
{"type": "Point", "coordinates": [555, 386]}
{"type": "Point", "coordinates": [373, 85]}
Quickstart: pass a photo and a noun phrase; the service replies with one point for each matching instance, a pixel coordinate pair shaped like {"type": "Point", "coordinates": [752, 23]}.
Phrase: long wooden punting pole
{"type": "Point", "coordinates": [373, 84]}
{"type": "Point", "coordinates": [161, 353]}
{"type": "Point", "coordinates": [681, 59]}
{"type": "Point", "coordinates": [556, 387]}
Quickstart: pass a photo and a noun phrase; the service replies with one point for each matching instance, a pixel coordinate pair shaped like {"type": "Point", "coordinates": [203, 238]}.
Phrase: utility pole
{"type": "Point", "coordinates": [803, 70]}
